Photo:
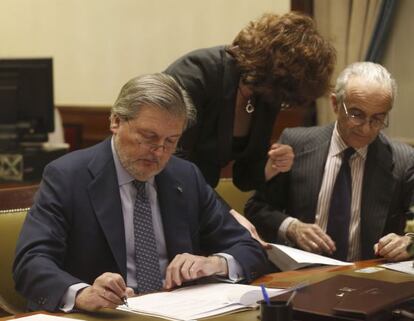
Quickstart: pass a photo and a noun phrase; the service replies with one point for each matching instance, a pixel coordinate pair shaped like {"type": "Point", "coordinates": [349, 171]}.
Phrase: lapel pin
{"type": "Point", "coordinates": [180, 189]}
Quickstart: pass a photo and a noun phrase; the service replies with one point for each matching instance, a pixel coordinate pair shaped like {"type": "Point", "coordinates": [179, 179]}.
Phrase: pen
{"type": "Point", "coordinates": [403, 313]}
{"type": "Point", "coordinates": [297, 287]}
{"type": "Point", "coordinates": [125, 300]}
{"type": "Point", "coordinates": [265, 296]}
{"type": "Point", "coordinates": [294, 289]}
{"type": "Point", "coordinates": [291, 297]}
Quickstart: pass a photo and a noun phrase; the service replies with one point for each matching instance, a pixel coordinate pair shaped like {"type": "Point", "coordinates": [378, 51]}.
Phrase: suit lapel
{"type": "Point", "coordinates": [377, 187]}
{"type": "Point", "coordinates": [172, 200]}
{"type": "Point", "coordinates": [105, 198]}
{"type": "Point", "coordinates": [309, 169]}
{"type": "Point", "coordinates": [309, 166]}
{"type": "Point", "coordinates": [226, 115]}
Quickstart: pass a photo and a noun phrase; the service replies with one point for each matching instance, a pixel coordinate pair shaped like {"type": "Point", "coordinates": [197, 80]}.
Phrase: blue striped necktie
{"type": "Point", "coordinates": [147, 265]}
{"type": "Point", "coordinates": [340, 207]}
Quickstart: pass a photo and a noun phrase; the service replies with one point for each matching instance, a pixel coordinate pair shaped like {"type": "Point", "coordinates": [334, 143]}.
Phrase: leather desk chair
{"type": "Point", "coordinates": [14, 204]}
{"type": "Point", "coordinates": [17, 197]}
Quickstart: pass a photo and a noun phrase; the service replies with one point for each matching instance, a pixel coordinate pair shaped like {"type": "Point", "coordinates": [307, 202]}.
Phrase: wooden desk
{"type": "Point", "coordinates": [316, 274]}
{"type": "Point", "coordinates": [277, 280]}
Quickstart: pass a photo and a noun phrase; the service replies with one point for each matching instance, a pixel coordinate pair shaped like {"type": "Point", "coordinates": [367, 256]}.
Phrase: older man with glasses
{"type": "Point", "coordinates": [350, 188]}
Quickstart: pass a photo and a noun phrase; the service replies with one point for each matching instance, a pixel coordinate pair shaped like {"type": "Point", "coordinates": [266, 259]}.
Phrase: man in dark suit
{"type": "Point", "coordinates": [301, 207]}
{"type": "Point", "coordinates": [125, 215]}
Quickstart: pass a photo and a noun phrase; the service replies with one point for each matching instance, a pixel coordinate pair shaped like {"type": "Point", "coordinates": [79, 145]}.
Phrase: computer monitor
{"type": "Point", "coordinates": [26, 101]}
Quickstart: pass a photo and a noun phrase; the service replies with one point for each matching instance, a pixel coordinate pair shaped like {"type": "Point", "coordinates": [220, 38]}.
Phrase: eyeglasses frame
{"type": "Point", "coordinates": [384, 124]}
{"type": "Point", "coordinates": [151, 146]}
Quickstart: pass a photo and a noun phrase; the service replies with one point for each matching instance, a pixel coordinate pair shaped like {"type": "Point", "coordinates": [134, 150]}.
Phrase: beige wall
{"type": "Point", "coordinates": [399, 61]}
{"type": "Point", "coordinates": [97, 45]}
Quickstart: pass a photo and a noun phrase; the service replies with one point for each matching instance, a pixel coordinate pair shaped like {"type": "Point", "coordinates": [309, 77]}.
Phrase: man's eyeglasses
{"type": "Point", "coordinates": [169, 146]}
{"type": "Point", "coordinates": [358, 118]}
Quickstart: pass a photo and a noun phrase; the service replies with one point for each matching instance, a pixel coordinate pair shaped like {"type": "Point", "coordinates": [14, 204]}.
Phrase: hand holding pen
{"type": "Point", "coordinates": [107, 291]}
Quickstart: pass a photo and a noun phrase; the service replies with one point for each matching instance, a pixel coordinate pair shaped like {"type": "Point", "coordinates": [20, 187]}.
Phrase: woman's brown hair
{"type": "Point", "coordinates": [285, 54]}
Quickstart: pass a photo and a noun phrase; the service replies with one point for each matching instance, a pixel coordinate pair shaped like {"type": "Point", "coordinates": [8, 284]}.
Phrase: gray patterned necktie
{"type": "Point", "coordinates": [147, 265]}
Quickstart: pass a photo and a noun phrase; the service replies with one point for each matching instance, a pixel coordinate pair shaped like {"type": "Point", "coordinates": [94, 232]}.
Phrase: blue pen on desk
{"type": "Point", "coordinates": [265, 295]}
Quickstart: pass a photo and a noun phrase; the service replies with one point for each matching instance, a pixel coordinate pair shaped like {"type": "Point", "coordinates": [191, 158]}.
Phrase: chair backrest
{"type": "Point", "coordinates": [14, 204]}
{"type": "Point", "coordinates": [10, 225]}
{"type": "Point", "coordinates": [409, 226]}
{"type": "Point", "coordinates": [17, 197]}
{"type": "Point", "coordinates": [232, 195]}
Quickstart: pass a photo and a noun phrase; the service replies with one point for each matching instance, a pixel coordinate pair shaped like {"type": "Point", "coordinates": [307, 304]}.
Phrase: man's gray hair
{"type": "Point", "coordinates": [371, 73]}
{"type": "Point", "coordinates": [159, 90]}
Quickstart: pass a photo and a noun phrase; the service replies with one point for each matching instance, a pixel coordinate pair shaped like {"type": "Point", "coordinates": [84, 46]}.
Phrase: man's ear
{"type": "Point", "coordinates": [334, 103]}
{"type": "Point", "coordinates": [114, 123]}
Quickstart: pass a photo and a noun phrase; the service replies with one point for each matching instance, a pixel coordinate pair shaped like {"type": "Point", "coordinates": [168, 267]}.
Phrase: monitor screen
{"type": "Point", "coordinates": [26, 98]}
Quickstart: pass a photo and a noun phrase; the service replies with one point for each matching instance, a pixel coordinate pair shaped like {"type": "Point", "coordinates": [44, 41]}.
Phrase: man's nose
{"type": "Point", "coordinates": [158, 150]}
{"type": "Point", "coordinates": [366, 127]}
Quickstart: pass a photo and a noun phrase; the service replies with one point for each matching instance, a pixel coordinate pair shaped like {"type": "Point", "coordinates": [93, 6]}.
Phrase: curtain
{"type": "Point", "coordinates": [348, 24]}
{"type": "Point", "coordinates": [381, 31]}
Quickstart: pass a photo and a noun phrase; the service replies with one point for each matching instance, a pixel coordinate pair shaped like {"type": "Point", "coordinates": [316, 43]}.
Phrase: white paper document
{"type": "Point", "coordinates": [198, 301]}
{"type": "Point", "coordinates": [289, 258]}
{"type": "Point", "coordinates": [45, 317]}
{"type": "Point", "coordinates": [405, 266]}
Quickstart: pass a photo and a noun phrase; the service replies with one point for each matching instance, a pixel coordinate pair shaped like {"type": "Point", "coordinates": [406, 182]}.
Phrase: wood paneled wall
{"type": "Point", "coordinates": [86, 126]}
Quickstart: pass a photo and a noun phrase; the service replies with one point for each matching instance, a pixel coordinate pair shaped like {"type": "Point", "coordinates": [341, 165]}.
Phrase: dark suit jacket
{"type": "Point", "coordinates": [211, 78]}
{"type": "Point", "coordinates": [75, 230]}
{"type": "Point", "coordinates": [386, 193]}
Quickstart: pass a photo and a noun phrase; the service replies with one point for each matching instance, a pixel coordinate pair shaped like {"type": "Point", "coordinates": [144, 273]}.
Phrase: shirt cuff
{"type": "Point", "coordinates": [68, 300]}
{"type": "Point", "coordinates": [235, 271]}
{"type": "Point", "coordinates": [410, 247]}
{"type": "Point", "coordinates": [281, 234]}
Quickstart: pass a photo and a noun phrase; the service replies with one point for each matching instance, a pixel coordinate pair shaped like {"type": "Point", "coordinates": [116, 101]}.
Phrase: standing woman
{"type": "Point", "coordinates": [238, 90]}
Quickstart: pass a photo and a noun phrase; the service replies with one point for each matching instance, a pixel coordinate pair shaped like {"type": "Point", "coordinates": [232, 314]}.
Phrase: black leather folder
{"type": "Point", "coordinates": [345, 297]}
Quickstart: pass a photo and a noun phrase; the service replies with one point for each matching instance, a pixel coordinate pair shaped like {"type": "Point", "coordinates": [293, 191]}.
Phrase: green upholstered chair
{"type": "Point", "coordinates": [409, 227]}
{"type": "Point", "coordinates": [14, 204]}
{"type": "Point", "coordinates": [232, 195]}
{"type": "Point", "coordinates": [10, 225]}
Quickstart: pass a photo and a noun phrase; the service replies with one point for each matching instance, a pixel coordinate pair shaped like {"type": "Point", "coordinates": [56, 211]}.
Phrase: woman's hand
{"type": "Point", "coordinates": [280, 160]}
{"type": "Point", "coordinates": [249, 226]}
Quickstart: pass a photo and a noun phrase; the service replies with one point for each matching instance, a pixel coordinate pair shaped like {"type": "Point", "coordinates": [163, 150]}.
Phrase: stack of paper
{"type": "Point", "coordinates": [198, 301]}
{"type": "Point", "coordinates": [405, 266]}
{"type": "Point", "coordinates": [287, 258]}
{"type": "Point", "coordinates": [45, 317]}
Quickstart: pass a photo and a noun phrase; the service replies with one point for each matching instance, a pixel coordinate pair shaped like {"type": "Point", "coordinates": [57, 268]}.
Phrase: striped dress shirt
{"type": "Point", "coordinates": [332, 166]}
